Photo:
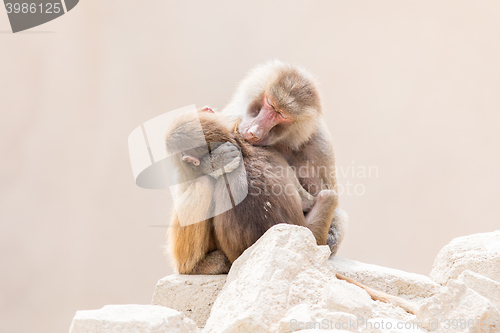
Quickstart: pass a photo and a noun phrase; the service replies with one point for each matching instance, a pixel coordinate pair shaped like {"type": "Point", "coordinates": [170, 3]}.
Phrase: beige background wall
{"type": "Point", "coordinates": [411, 87]}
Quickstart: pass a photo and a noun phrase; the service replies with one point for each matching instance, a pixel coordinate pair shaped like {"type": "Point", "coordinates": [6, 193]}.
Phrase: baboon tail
{"type": "Point", "coordinates": [382, 297]}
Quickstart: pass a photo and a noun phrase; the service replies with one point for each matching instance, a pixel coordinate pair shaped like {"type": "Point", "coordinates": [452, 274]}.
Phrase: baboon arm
{"type": "Point", "coordinates": [195, 201]}
{"type": "Point", "coordinates": [307, 198]}
{"type": "Point", "coordinates": [381, 296]}
{"type": "Point", "coordinates": [319, 217]}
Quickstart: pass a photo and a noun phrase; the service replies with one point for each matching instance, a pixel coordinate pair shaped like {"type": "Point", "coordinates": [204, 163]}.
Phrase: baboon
{"type": "Point", "coordinates": [280, 109]}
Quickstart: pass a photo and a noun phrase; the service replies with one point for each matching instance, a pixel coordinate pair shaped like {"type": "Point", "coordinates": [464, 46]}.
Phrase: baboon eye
{"type": "Point", "coordinates": [274, 108]}
{"type": "Point", "coordinates": [269, 102]}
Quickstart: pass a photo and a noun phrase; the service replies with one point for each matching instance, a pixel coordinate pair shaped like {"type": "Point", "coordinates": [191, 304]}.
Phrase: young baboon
{"type": "Point", "coordinates": [280, 108]}
{"type": "Point", "coordinates": [274, 196]}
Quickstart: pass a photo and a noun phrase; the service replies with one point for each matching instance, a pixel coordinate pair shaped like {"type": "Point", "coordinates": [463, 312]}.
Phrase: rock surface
{"type": "Point", "coordinates": [193, 295]}
{"type": "Point", "coordinates": [283, 274]}
{"type": "Point", "coordinates": [483, 286]}
{"type": "Point", "coordinates": [479, 253]}
{"type": "Point", "coordinates": [286, 283]}
{"type": "Point", "coordinates": [132, 318]}
{"type": "Point", "coordinates": [457, 301]}
{"type": "Point", "coordinates": [392, 281]}
{"type": "Point", "coordinates": [384, 310]}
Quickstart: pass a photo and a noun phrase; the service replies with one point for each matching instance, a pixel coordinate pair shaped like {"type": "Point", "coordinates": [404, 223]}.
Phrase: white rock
{"type": "Point", "coordinates": [457, 301]}
{"type": "Point", "coordinates": [193, 295]}
{"type": "Point", "coordinates": [340, 321]}
{"type": "Point", "coordinates": [295, 318]}
{"type": "Point", "coordinates": [483, 286]}
{"type": "Point", "coordinates": [392, 281]}
{"type": "Point", "coordinates": [132, 318]}
{"type": "Point", "coordinates": [479, 253]}
{"type": "Point", "coordinates": [301, 317]}
{"type": "Point", "coordinates": [283, 269]}
{"type": "Point", "coordinates": [384, 310]}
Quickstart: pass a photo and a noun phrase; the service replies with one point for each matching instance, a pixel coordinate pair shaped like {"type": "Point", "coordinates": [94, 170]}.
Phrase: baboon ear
{"type": "Point", "coordinates": [191, 159]}
{"type": "Point", "coordinates": [207, 109]}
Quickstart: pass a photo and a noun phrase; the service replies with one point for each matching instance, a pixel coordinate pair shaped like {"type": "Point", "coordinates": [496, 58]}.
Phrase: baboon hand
{"type": "Point", "coordinates": [225, 158]}
{"type": "Point", "coordinates": [307, 202]}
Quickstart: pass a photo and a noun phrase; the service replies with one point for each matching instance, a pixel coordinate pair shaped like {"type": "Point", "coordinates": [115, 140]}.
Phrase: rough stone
{"type": "Point", "coordinates": [384, 310]}
{"type": "Point", "coordinates": [340, 320]}
{"type": "Point", "coordinates": [283, 269]}
{"type": "Point", "coordinates": [479, 253]}
{"type": "Point", "coordinates": [483, 286]}
{"type": "Point", "coordinates": [193, 295]}
{"type": "Point", "coordinates": [392, 281]}
{"type": "Point", "coordinates": [296, 318]}
{"type": "Point", "coordinates": [286, 283]}
{"type": "Point", "coordinates": [302, 317]}
{"type": "Point", "coordinates": [132, 318]}
{"type": "Point", "coordinates": [457, 301]}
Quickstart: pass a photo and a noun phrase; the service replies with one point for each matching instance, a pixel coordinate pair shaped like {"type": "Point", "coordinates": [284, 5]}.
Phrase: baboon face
{"type": "Point", "coordinates": [288, 98]}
